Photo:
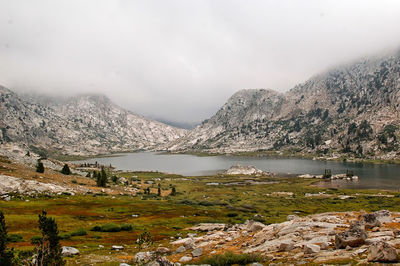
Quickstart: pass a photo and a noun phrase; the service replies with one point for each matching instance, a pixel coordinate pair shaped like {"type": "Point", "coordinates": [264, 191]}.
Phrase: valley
{"type": "Point", "coordinates": [169, 217]}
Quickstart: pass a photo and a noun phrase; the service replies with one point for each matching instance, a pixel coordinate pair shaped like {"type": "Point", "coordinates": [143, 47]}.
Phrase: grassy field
{"type": "Point", "coordinates": [169, 216]}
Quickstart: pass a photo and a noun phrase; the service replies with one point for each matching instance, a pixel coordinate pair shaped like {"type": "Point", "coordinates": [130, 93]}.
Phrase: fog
{"type": "Point", "coordinates": [180, 60]}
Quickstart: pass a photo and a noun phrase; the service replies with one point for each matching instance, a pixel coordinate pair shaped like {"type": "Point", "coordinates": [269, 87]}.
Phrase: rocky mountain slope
{"type": "Point", "coordinates": [81, 125]}
{"type": "Point", "coordinates": [352, 110]}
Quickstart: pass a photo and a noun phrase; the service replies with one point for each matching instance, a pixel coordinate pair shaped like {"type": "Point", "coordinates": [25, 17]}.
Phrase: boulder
{"type": "Point", "coordinates": [181, 249]}
{"type": "Point", "coordinates": [189, 243]}
{"type": "Point", "coordinates": [255, 226]}
{"type": "Point", "coordinates": [185, 259]}
{"type": "Point", "coordinates": [162, 250]}
{"type": "Point", "coordinates": [311, 249]}
{"type": "Point", "coordinates": [286, 246]}
{"type": "Point", "coordinates": [69, 251]}
{"type": "Point", "coordinates": [383, 216]}
{"type": "Point", "coordinates": [143, 257]}
{"type": "Point", "coordinates": [197, 252]}
{"type": "Point", "coordinates": [382, 252]}
{"type": "Point", "coordinates": [370, 220]}
{"type": "Point", "coordinates": [354, 237]}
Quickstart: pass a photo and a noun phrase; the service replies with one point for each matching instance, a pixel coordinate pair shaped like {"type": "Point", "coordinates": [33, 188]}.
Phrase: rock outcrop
{"type": "Point", "coordinates": [316, 239]}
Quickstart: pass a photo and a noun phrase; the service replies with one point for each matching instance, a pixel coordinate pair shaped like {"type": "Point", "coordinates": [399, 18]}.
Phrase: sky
{"type": "Point", "coordinates": [180, 60]}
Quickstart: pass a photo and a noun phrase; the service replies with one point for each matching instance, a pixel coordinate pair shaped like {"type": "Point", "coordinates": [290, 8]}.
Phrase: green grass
{"type": "Point", "coordinates": [166, 217]}
{"type": "Point", "coordinates": [230, 258]}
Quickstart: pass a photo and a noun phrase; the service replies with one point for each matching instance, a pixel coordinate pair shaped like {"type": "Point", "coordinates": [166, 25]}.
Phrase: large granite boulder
{"type": "Point", "coordinates": [354, 237]}
{"type": "Point", "coordinates": [382, 252]}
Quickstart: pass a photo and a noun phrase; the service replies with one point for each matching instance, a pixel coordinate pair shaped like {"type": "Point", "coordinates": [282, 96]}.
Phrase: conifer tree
{"type": "Point", "coordinates": [40, 167]}
{"type": "Point", "coordinates": [48, 248]}
{"type": "Point", "coordinates": [6, 256]}
{"type": "Point", "coordinates": [65, 170]}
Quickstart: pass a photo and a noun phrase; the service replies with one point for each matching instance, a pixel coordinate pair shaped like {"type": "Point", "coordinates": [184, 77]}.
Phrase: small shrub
{"type": "Point", "coordinates": [232, 214]}
{"type": "Point", "coordinates": [110, 228]}
{"type": "Point", "coordinates": [74, 181]}
{"type": "Point", "coordinates": [96, 228]}
{"type": "Point", "coordinates": [64, 236]}
{"type": "Point", "coordinates": [12, 238]}
{"type": "Point", "coordinates": [126, 227]}
{"type": "Point", "coordinates": [79, 232]}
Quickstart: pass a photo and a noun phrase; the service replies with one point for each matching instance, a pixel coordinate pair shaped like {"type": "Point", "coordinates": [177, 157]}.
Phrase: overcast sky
{"type": "Point", "coordinates": [181, 60]}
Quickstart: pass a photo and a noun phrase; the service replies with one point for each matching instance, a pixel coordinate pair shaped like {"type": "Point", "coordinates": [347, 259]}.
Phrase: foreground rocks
{"type": "Point", "coordinates": [320, 238]}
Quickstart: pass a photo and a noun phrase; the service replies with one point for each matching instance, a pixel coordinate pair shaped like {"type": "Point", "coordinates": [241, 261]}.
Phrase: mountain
{"type": "Point", "coordinates": [81, 125]}
{"type": "Point", "coordinates": [352, 110]}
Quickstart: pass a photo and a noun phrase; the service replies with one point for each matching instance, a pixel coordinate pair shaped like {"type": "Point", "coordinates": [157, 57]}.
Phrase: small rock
{"type": "Point", "coordinates": [124, 264]}
{"type": "Point", "coordinates": [382, 252]}
{"type": "Point", "coordinates": [375, 229]}
{"type": "Point", "coordinates": [101, 246]}
{"type": "Point", "coordinates": [69, 251]}
{"type": "Point", "coordinates": [185, 259]}
{"type": "Point", "coordinates": [117, 247]}
{"type": "Point", "coordinates": [181, 249]}
{"type": "Point", "coordinates": [197, 252]}
{"type": "Point", "coordinates": [163, 250]}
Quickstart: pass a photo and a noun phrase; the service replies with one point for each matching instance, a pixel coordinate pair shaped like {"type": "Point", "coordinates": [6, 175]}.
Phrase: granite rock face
{"type": "Point", "coordinates": [351, 109]}
{"type": "Point", "coordinates": [81, 125]}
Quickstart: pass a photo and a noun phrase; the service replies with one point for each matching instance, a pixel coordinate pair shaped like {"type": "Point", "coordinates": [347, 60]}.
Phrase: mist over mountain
{"type": "Point", "coordinates": [353, 109]}
{"type": "Point", "coordinates": [81, 125]}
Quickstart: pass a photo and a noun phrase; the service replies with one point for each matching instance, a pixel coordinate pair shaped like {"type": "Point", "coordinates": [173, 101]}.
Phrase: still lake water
{"type": "Point", "coordinates": [380, 176]}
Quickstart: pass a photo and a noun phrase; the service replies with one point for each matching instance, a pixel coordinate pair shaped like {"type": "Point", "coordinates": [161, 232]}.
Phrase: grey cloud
{"type": "Point", "coordinates": [180, 60]}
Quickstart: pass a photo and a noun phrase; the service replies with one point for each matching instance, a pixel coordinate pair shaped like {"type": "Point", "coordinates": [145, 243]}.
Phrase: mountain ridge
{"type": "Point", "coordinates": [351, 110]}
{"type": "Point", "coordinates": [86, 124]}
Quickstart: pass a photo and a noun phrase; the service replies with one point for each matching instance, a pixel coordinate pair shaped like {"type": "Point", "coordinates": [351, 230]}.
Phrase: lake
{"type": "Point", "coordinates": [380, 176]}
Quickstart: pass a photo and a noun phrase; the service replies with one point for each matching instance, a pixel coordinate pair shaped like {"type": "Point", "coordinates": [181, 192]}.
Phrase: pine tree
{"type": "Point", "coordinates": [102, 178]}
{"type": "Point", "coordinates": [65, 170]}
{"type": "Point", "coordinates": [40, 167]}
{"type": "Point", "coordinates": [159, 190]}
{"type": "Point", "coordinates": [6, 256]}
{"type": "Point", "coordinates": [49, 248]}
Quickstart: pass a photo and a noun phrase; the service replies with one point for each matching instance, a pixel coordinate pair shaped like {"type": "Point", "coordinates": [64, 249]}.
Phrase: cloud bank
{"type": "Point", "coordinates": [180, 60]}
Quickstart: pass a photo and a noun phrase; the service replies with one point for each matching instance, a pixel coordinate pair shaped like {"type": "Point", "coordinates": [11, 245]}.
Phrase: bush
{"type": "Point", "coordinates": [96, 228]}
{"type": "Point", "coordinates": [12, 238]}
{"type": "Point", "coordinates": [110, 227]}
{"type": "Point", "coordinates": [232, 214]}
{"type": "Point", "coordinates": [230, 258]}
{"type": "Point", "coordinates": [79, 232]}
{"type": "Point", "coordinates": [126, 227]}
{"type": "Point", "coordinates": [64, 236]}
